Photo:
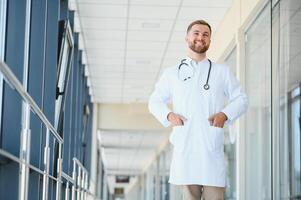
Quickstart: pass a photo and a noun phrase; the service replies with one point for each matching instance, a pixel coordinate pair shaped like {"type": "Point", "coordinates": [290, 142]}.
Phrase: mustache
{"type": "Point", "coordinates": [201, 41]}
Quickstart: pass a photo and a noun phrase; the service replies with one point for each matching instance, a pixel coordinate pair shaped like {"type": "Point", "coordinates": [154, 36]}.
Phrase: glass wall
{"type": "Point", "coordinates": [32, 156]}
{"type": "Point", "coordinates": [150, 182]}
{"type": "Point", "coordinates": [163, 176]}
{"type": "Point", "coordinates": [230, 141]}
{"type": "Point", "coordinates": [286, 97]}
{"type": "Point", "coordinates": [258, 118]}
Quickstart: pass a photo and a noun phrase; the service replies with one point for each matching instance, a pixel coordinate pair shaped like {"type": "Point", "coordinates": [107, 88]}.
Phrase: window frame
{"type": "Point", "coordinates": [231, 131]}
{"type": "Point", "coordinates": [3, 10]}
{"type": "Point", "coordinates": [65, 55]}
{"type": "Point", "coordinates": [292, 98]}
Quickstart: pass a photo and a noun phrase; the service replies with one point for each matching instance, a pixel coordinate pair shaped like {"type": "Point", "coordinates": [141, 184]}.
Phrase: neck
{"type": "Point", "coordinates": [196, 56]}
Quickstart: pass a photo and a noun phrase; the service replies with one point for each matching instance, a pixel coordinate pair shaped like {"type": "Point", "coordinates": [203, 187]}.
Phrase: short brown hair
{"type": "Point", "coordinates": [202, 22]}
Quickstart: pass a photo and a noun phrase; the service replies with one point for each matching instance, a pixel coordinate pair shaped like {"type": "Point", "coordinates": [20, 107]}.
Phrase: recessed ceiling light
{"type": "Point", "coordinates": [143, 62]}
{"type": "Point", "coordinates": [150, 25]}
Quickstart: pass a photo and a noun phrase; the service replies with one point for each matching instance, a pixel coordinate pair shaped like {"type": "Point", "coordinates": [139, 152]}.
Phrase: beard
{"type": "Point", "coordinates": [199, 49]}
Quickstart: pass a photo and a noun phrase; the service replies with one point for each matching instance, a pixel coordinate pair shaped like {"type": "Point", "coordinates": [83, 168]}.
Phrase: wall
{"type": "Point", "coordinates": [39, 61]}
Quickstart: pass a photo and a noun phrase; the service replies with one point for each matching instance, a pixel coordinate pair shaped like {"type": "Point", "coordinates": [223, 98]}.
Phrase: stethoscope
{"type": "Point", "coordinates": [183, 63]}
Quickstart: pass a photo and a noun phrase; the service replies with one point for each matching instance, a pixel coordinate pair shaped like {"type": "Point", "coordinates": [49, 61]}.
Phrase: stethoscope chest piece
{"type": "Point", "coordinates": [206, 86]}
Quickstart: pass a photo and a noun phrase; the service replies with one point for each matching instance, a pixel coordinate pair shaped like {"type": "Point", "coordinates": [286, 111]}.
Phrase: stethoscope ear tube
{"type": "Point", "coordinates": [179, 68]}
{"type": "Point", "coordinates": [206, 86]}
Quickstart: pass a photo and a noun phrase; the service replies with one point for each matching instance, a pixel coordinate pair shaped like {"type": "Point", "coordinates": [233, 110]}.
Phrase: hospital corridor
{"type": "Point", "coordinates": [92, 92]}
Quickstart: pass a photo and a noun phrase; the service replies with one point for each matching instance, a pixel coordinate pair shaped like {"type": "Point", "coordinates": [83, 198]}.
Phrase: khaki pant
{"type": "Point", "coordinates": [199, 192]}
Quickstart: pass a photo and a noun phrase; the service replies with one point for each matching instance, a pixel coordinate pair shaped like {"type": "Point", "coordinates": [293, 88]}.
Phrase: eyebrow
{"type": "Point", "coordinates": [200, 31]}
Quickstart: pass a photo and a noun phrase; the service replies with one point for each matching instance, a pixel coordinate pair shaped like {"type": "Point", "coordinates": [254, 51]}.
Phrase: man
{"type": "Point", "coordinates": [198, 90]}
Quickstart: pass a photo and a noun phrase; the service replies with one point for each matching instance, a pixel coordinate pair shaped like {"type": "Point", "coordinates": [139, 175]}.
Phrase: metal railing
{"type": "Point", "coordinates": [79, 180]}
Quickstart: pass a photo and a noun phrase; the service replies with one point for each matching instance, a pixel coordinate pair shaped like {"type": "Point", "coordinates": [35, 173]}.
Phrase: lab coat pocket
{"type": "Point", "coordinates": [215, 139]}
{"type": "Point", "coordinates": [177, 138]}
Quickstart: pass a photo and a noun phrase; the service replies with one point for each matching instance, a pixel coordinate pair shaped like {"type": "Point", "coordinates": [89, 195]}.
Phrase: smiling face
{"type": "Point", "coordinates": [198, 38]}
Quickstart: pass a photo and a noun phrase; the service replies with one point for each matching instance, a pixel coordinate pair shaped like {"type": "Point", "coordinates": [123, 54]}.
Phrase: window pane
{"type": "Point", "coordinates": [258, 118]}
{"type": "Point", "coordinates": [289, 73]}
{"type": "Point", "coordinates": [230, 144]}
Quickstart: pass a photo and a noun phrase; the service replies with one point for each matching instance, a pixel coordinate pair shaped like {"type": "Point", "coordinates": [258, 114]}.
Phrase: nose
{"type": "Point", "coordinates": [200, 37]}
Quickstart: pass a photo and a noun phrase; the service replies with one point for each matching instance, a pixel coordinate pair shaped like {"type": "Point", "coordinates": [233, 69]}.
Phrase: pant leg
{"type": "Point", "coordinates": [213, 193]}
{"type": "Point", "coordinates": [192, 192]}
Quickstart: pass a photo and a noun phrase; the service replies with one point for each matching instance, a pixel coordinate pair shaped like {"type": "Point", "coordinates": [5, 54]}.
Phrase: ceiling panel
{"type": "Point", "coordinates": [101, 35]}
{"type": "Point", "coordinates": [103, 2]}
{"type": "Point", "coordinates": [108, 100]}
{"type": "Point", "coordinates": [181, 25]}
{"type": "Point", "coordinates": [146, 36]}
{"type": "Point", "coordinates": [140, 45]}
{"type": "Point", "coordinates": [103, 44]}
{"type": "Point", "coordinates": [103, 10]}
{"type": "Point", "coordinates": [146, 53]}
{"type": "Point", "coordinates": [149, 24]}
{"type": "Point", "coordinates": [157, 12]}
{"type": "Point", "coordinates": [206, 13]}
{"type": "Point", "coordinates": [143, 62]}
{"type": "Point", "coordinates": [156, 2]}
{"type": "Point", "coordinates": [208, 3]}
{"type": "Point", "coordinates": [100, 69]}
{"type": "Point", "coordinates": [90, 24]}
{"type": "Point", "coordinates": [105, 76]}
{"type": "Point", "coordinates": [105, 61]}
{"type": "Point", "coordinates": [105, 54]}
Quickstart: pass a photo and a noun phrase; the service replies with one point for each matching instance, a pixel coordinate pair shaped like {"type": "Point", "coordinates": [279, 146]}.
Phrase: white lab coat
{"type": "Point", "coordinates": [198, 156]}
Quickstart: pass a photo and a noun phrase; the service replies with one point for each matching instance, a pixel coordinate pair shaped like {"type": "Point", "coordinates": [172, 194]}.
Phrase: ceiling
{"type": "Point", "coordinates": [127, 44]}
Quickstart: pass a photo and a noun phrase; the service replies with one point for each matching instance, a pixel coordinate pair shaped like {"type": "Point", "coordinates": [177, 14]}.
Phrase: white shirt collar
{"type": "Point", "coordinates": [193, 62]}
